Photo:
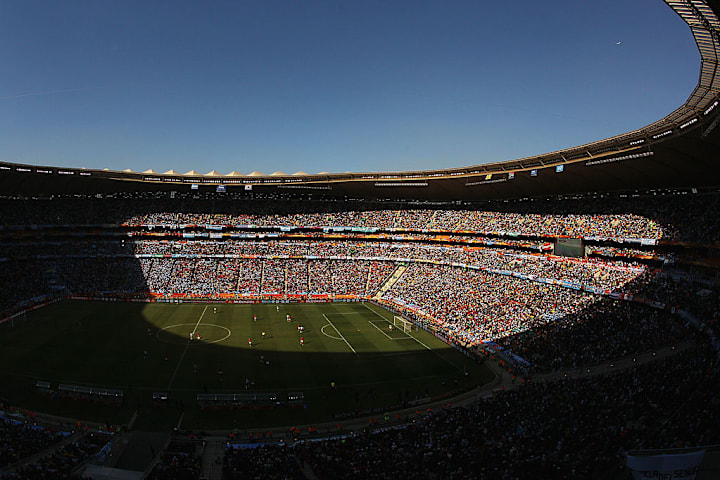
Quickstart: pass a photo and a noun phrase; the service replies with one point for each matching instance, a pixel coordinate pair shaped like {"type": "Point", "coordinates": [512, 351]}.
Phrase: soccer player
{"type": "Point", "coordinates": [214, 309]}
{"type": "Point", "coordinates": [299, 328]}
{"type": "Point", "coordinates": [249, 343]}
{"type": "Point", "coordinates": [287, 317]}
{"type": "Point", "coordinates": [302, 341]}
{"type": "Point", "coordinates": [191, 335]}
{"type": "Point", "coordinates": [198, 336]}
{"type": "Point", "coordinates": [254, 318]}
{"type": "Point", "coordinates": [277, 308]}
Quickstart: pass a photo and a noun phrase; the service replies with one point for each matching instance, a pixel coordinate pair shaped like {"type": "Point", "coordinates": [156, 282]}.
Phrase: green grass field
{"type": "Point", "coordinates": [102, 344]}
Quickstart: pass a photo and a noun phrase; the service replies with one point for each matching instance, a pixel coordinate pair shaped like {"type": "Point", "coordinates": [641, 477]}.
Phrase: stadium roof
{"type": "Point", "coordinates": [679, 150]}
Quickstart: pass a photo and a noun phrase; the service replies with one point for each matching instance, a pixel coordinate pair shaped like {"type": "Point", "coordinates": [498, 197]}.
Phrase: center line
{"type": "Point", "coordinates": [341, 335]}
{"type": "Point", "coordinates": [172, 379]}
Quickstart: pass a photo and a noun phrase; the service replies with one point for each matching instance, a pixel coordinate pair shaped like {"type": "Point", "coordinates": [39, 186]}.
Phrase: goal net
{"type": "Point", "coordinates": [404, 325]}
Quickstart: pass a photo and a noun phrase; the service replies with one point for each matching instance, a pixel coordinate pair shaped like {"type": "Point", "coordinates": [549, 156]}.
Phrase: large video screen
{"type": "Point", "coordinates": [570, 247]}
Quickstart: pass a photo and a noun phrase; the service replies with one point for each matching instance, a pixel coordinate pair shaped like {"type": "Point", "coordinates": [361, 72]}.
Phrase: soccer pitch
{"type": "Point", "coordinates": [242, 349]}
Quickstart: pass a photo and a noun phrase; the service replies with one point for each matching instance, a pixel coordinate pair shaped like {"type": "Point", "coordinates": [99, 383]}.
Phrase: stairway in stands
{"type": "Point", "coordinates": [397, 273]}
{"type": "Point", "coordinates": [212, 459]}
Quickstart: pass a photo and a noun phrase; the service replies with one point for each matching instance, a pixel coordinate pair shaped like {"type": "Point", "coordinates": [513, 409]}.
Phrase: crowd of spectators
{"type": "Point", "coordinates": [209, 267]}
{"type": "Point", "coordinates": [605, 330]}
{"type": "Point", "coordinates": [569, 428]}
{"type": "Point", "coordinates": [178, 461]}
{"type": "Point", "coordinates": [19, 440]}
{"type": "Point", "coordinates": [674, 215]}
{"type": "Point", "coordinates": [625, 252]}
{"type": "Point", "coordinates": [483, 222]}
{"type": "Point", "coordinates": [470, 305]}
{"type": "Point", "coordinates": [700, 298]}
{"type": "Point", "coordinates": [475, 306]}
{"type": "Point", "coordinates": [261, 462]}
{"type": "Point", "coordinates": [595, 272]}
{"type": "Point", "coordinates": [61, 462]}
{"type": "Point", "coordinates": [562, 429]}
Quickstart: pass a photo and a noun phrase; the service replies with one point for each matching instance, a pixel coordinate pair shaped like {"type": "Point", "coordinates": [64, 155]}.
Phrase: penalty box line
{"type": "Point", "coordinates": [388, 336]}
{"type": "Point", "coordinates": [341, 335]}
{"type": "Point", "coordinates": [177, 367]}
{"type": "Point", "coordinates": [411, 336]}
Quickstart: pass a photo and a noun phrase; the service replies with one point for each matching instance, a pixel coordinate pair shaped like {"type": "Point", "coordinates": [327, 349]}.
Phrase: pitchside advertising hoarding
{"type": "Point", "coordinates": [683, 466]}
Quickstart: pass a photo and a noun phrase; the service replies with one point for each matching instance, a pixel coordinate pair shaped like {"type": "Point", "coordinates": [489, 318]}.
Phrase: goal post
{"type": "Point", "coordinates": [404, 325]}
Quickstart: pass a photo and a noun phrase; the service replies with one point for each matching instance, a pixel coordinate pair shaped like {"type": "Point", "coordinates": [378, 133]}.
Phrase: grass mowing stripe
{"type": "Point", "coordinates": [177, 367]}
{"type": "Point", "coordinates": [341, 335]}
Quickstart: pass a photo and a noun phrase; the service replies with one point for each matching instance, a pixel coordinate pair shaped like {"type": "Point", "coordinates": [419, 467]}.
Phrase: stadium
{"type": "Point", "coordinates": [552, 316]}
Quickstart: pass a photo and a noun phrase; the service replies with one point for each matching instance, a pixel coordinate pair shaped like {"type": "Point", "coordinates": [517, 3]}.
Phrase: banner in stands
{"type": "Point", "coordinates": [507, 354]}
{"type": "Point", "coordinates": [683, 466]}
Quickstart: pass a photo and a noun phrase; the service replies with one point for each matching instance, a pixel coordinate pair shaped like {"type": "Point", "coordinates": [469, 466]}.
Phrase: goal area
{"type": "Point", "coordinates": [404, 325]}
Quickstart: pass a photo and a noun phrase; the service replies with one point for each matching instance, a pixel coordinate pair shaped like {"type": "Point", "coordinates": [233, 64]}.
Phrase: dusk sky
{"type": "Point", "coordinates": [330, 86]}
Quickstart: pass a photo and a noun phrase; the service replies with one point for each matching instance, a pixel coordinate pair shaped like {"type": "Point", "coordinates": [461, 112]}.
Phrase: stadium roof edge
{"type": "Point", "coordinates": [691, 125]}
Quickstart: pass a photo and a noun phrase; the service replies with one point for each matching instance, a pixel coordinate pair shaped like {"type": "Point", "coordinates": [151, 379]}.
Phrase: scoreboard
{"type": "Point", "coordinates": [570, 247]}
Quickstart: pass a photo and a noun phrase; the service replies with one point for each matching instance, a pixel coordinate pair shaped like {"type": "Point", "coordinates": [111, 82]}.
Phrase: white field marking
{"type": "Point", "coordinates": [322, 330]}
{"type": "Point", "coordinates": [388, 336]}
{"type": "Point", "coordinates": [411, 336]}
{"type": "Point", "coordinates": [380, 330]}
{"type": "Point", "coordinates": [177, 367]}
{"type": "Point", "coordinates": [341, 335]}
{"type": "Point", "coordinates": [204, 325]}
{"type": "Point", "coordinates": [349, 313]}
{"type": "Point", "coordinates": [406, 333]}
{"type": "Point", "coordinates": [199, 319]}
{"type": "Point", "coordinates": [132, 419]}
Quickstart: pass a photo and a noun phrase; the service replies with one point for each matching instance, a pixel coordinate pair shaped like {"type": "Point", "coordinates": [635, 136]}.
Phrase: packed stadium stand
{"type": "Point", "coordinates": [476, 255]}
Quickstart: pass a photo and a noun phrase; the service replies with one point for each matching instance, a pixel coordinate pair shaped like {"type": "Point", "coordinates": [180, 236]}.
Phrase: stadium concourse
{"type": "Point", "coordinates": [485, 279]}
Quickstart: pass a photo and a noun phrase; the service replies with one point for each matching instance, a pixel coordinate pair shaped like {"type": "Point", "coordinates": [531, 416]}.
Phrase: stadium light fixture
{"type": "Point", "coordinates": [618, 159]}
{"type": "Point", "coordinates": [688, 123]}
{"type": "Point", "coordinates": [711, 107]}
{"type": "Point", "coordinates": [663, 134]}
{"type": "Point", "coordinates": [486, 181]}
{"type": "Point", "coordinates": [401, 184]}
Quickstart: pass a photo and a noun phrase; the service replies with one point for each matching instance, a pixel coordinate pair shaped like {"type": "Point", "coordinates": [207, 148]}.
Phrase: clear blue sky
{"type": "Point", "coordinates": [330, 86]}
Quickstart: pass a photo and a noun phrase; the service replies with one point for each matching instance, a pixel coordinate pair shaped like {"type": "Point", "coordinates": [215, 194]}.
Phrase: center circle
{"type": "Point", "coordinates": [179, 333]}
